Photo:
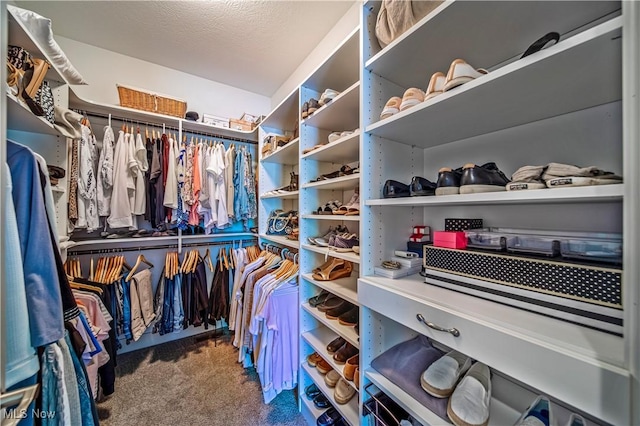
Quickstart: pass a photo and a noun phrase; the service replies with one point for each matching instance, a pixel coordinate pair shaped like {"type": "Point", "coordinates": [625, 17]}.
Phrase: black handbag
{"type": "Point", "coordinates": [281, 222]}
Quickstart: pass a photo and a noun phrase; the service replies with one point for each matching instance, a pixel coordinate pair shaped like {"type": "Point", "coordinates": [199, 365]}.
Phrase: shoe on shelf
{"type": "Point", "coordinates": [321, 401]}
{"type": "Point", "coordinates": [334, 136]}
{"type": "Point", "coordinates": [327, 96]}
{"type": "Point", "coordinates": [335, 313]}
{"type": "Point", "coordinates": [331, 417]}
{"type": "Point", "coordinates": [313, 106]}
{"type": "Point", "coordinates": [305, 110]}
{"type": "Point", "coordinates": [421, 186]}
{"type": "Point", "coordinates": [350, 318]}
{"type": "Point", "coordinates": [448, 181]}
{"type": "Point", "coordinates": [335, 344]}
{"type": "Point", "coordinates": [460, 73]}
{"type": "Point", "coordinates": [436, 85]}
{"type": "Point", "coordinates": [344, 353]}
{"type": "Point", "coordinates": [331, 378]}
{"type": "Point", "coordinates": [527, 177]}
{"type": "Point", "coordinates": [395, 189]}
{"type": "Point", "coordinates": [350, 367]}
{"type": "Point", "coordinates": [311, 391]}
{"type": "Point", "coordinates": [356, 377]}
{"type": "Point", "coordinates": [338, 268]}
{"type": "Point", "coordinates": [440, 378]}
{"type": "Point", "coordinates": [541, 43]}
{"type": "Point", "coordinates": [319, 298]}
{"type": "Point", "coordinates": [576, 420]}
{"type": "Point", "coordinates": [352, 206]}
{"type": "Point", "coordinates": [559, 175]}
{"type": "Point", "coordinates": [470, 402]}
{"type": "Point", "coordinates": [485, 178]}
{"type": "Point", "coordinates": [313, 359]}
{"type": "Point", "coordinates": [538, 413]}
{"type": "Point", "coordinates": [323, 367]}
{"type": "Point", "coordinates": [343, 243]}
{"type": "Point", "coordinates": [330, 207]}
{"type": "Point", "coordinates": [343, 392]}
{"type": "Point", "coordinates": [412, 97]}
{"type": "Point", "coordinates": [331, 302]}
{"type": "Point", "coordinates": [325, 237]}
{"type": "Point", "coordinates": [391, 107]}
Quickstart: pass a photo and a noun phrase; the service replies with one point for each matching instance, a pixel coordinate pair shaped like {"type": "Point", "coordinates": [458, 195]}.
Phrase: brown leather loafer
{"type": "Point", "coordinates": [344, 353]}
{"type": "Point", "coordinates": [350, 367]}
{"type": "Point", "coordinates": [335, 313]}
{"type": "Point", "coordinates": [335, 344]}
{"type": "Point", "coordinates": [323, 367]}
{"type": "Point", "coordinates": [313, 359]}
{"type": "Point", "coordinates": [349, 318]}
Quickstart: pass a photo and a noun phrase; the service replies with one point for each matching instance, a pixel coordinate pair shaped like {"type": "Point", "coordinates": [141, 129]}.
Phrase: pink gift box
{"type": "Point", "coordinates": [450, 239]}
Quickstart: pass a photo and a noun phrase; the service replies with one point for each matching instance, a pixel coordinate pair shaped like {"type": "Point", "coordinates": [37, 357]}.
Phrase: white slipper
{"type": "Point", "coordinates": [460, 73]}
{"type": "Point", "coordinates": [470, 402]}
{"type": "Point", "coordinates": [583, 181]}
{"type": "Point", "coordinates": [439, 380]}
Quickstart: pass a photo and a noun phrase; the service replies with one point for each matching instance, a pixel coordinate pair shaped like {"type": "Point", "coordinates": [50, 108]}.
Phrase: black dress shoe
{"type": "Point", "coordinates": [312, 391]}
{"type": "Point", "coordinates": [395, 189]}
{"type": "Point", "coordinates": [321, 401]}
{"type": "Point", "coordinates": [485, 178]}
{"type": "Point", "coordinates": [350, 318]}
{"type": "Point", "coordinates": [329, 418]}
{"type": "Point", "coordinates": [448, 181]}
{"type": "Point", "coordinates": [421, 186]}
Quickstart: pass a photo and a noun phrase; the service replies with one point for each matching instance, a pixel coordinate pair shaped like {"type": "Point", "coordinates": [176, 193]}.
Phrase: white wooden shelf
{"type": "Point", "coordinates": [281, 240]}
{"type": "Point", "coordinates": [344, 150]}
{"type": "Point", "coordinates": [582, 194]}
{"type": "Point", "coordinates": [340, 114]}
{"type": "Point", "coordinates": [319, 338]}
{"type": "Point", "coordinates": [342, 182]}
{"type": "Point", "coordinates": [483, 45]}
{"type": "Point", "coordinates": [349, 410]}
{"type": "Point", "coordinates": [499, 413]}
{"type": "Point", "coordinates": [580, 72]}
{"type": "Point", "coordinates": [348, 333]}
{"type": "Point", "coordinates": [340, 69]}
{"type": "Point", "coordinates": [344, 288]}
{"type": "Point", "coordinates": [290, 195]}
{"type": "Point", "coordinates": [338, 217]}
{"type": "Point", "coordinates": [283, 117]}
{"type": "Point", "coordinates": [287, 154]}
{"type": "Point", "coordinates": [223, 132]}
{"type": "Point", "coordinates": [350, 256]}
{"type": "Point", "coordinates": [20, 117]}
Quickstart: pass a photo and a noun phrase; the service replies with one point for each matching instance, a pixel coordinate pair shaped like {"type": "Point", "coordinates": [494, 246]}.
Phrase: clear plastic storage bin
{"type": "Point", "coordinates": [609, 251]}
{"type": "Point", "coordinates": [532, 244]}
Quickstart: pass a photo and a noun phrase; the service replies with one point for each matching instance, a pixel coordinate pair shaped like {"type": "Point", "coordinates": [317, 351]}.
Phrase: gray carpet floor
{"type": "Point", "coordinates": [192, 382]}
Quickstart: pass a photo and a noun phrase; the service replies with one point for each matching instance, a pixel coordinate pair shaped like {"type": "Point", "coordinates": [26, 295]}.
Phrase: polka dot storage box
{"type": "Point", "coordinates": [589, 295]}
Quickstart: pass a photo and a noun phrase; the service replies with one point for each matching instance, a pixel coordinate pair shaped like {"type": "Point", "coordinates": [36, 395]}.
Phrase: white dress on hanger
{"type": "Point", "coordinates": [120, 216]}
{"type": "Point", "coordinates": [141, 166]}
{"type": "Point", "coordinates": [171, 188]}
{"type": "Point", "coordinates": [87, 184]}
{"type": "Point", "coordinates": [105, 173]}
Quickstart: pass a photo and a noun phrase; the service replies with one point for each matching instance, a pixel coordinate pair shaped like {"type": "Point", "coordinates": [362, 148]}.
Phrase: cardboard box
{"type": "Point", "coordinates": [454, 240]}
{"type": "Point", "coordinates": [215, 120]}
{"type": "Point", "coordinates": [246, 126]}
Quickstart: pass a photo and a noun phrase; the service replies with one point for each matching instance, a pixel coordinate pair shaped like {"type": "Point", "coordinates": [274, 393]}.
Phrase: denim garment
{"type": "Point", "coordinates": [95, 342]}
{"type": "Point", "coordinates": [178, 311]}
{"type": "Point", "coordinates": [158, 303]}
{"type": "Point", "coordinates": [241, 201]}
{"type": "Point", "coordinates": [87, 405]}
{"type": "Point", "coordinates": [75, 414]}
{"type": "Point", "coordinates": [52, 385]}
{"type": "Point", "coordinates": [167, 311]}
{"type": "Point", "coordinates": [44, 299]}
{"type": "Point", "coordinates": [126, 310]}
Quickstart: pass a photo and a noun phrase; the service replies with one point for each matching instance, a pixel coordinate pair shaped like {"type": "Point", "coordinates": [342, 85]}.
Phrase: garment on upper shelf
{"type": "Point", "coordinates": [105, 172]}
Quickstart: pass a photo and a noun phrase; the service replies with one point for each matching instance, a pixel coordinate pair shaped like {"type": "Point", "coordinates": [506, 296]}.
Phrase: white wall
{"type": "Point", "coordinates": [338, 33]}
{"type": "Point", "coordinates": [103, 69]}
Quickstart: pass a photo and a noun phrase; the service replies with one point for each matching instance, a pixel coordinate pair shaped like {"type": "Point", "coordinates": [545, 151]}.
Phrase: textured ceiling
{"type": "Point", "coordinates": [253, 45]}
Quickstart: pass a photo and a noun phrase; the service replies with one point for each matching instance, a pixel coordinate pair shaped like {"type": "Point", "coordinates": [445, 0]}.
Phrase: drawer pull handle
{"type": "Point", "coordinates": [453, 331]}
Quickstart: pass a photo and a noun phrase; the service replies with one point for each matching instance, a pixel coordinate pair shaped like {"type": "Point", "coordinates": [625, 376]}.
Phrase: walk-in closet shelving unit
{"type": "Point", "coordinates": [340, 72]}
{"type": "Point", "coordinates": [564, 104]}
{"type": "Point", "coordinates": [276, 167]}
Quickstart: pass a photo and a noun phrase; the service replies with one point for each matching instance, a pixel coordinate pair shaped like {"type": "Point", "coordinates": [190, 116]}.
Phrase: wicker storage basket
{"type": "Point", "coordinates": [152, 102]}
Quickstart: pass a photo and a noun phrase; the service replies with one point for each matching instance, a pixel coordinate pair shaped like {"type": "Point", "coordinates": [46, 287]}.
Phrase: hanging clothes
{"type": "Point", "coordinates": [87, 182]}
{"type": "Point", "coordinates": [105, 172]}
{"type": "Point", "coordinates": [230, 155]}
{"type": "Point", "coordinates": [139, 169]}
{"type": "Point", "coordinates": [120, 216]}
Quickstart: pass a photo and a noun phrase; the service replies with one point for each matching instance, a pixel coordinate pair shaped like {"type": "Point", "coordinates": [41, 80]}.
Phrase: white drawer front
{"type": "Point", "coordinates": [597, 388]}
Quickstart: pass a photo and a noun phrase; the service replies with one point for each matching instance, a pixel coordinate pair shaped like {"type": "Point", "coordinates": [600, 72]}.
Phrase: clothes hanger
{"type": "Point", "coordinates": [139, 260]}
{"type": "Point", "coordinates": [207, 259]}
{"type": "Point", "coordinates": [81, 286]}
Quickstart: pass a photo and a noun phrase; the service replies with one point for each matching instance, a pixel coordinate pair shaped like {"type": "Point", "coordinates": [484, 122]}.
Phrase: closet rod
{"type": "Point", "coordinates": [186, 131]}
{"type": "Point", "coordinates": [161, 247]}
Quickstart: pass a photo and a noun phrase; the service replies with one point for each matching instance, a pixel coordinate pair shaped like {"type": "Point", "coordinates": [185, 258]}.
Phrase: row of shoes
{"type": "Point", "coordinates": [338, 309]}
{"type": "Point", "coordinates": [335, 207]}
{"type": "Point", "coordinates": [343, 391]}
{"type": "Point", "coordinates": [331, 417]}
{"type": "Point", "coordinates": [293, 186]}
{"type": "Point", "coordinates": [471, 179]}
{"type": "Point", "coordinates": [344, 171]}
{"type": "Point", "coordinates": [312, 105]}
{"type": "Point", "coordinates": [342, 242]}
{"type": "Point", "coordinates": [333, 137]}
{"type": "Point", "coordinates": [459, 73]}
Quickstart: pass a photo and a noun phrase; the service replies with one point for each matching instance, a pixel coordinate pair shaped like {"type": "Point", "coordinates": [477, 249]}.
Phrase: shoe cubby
{"type": "Point", "coordinates": [509, 397]}
{"type": "Point", "coordinates": [318, 339]}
